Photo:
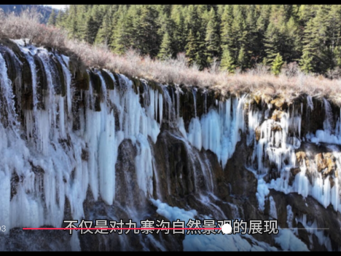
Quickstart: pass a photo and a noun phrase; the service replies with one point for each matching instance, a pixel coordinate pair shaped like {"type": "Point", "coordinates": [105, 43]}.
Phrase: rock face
{"type": "Point", "coordinates": [87, 144]}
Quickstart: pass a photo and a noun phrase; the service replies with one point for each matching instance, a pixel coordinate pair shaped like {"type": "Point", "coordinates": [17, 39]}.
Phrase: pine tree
{"type": "Point", "coordinates": [71, 22]}
{"type": "Point", "coordinates": [212, 39]}
{"type": "Point", "coordinates": [61, 18]}
{"type": "Point", "coordinates": [242, 59]}
{"type": "Point", "coordinates": [306, 62]}
{"type": "Point", "coordinates": [277, 64]}
{"type": "Point", "coordinates": [192, 20]}
{"type": "Point", "coordinates": [52, 18]}
{"type": "Point", "coordinates": [293, 40]}
{"type": "Point", "coordinates": [97, 13]}
{"type": "Point", "coordinates": [253, 48]}
{"type": "Point", "coordinates": [274, 37]}
{"type": "Point", "coordinates": [146, 38]}
{"type": "Point", "coordinates": [120, 41]}
{"type": "Point", "coordinates": [316, 41]}
{"type": "Point", "coordinates": [191, 48]}
{"type": "Point", "coordinates": [227, 62]}
{"type": "Point", "coordinates": [200, 57]}
{"type": "Point", "coordinates": [309, 34]}
{"type": "Point", "coordinates": [90, 30]}
{"type": "Point", "coordinates": [166, 48]}
{"type": "Point", "coordinates": [82, 21]}
{"type": "Point", "coordinates": [226, 25]}
{"type": "Point", "coordinates": [179, 36]}
{"type": "Point", "coordinates": [105, 32]}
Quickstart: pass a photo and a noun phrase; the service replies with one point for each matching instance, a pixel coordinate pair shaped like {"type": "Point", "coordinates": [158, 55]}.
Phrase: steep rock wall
{"type": "Point", "coordinates": [90, 144]}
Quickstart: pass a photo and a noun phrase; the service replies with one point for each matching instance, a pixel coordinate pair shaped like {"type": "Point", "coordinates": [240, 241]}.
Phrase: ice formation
{"type": "Point", "coordinates": [50, 161]}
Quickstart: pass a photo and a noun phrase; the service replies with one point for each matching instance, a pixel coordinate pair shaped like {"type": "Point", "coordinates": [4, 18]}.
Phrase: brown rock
{"type": "Point", "coordinates": [278, 102]}
{"type": "Point", "coordinates": [332, 182]}
{"type": "Point", "coordinates": [276, 127]}
{"type": "Point", "coordinates": [301, 156]}
{"type": "Point", "coordinates": [258, 133]}
{"type": "Point", "coordinates": [257, 98]}
{"type": "Point", "coordinates": [277, 115]}
{"type": "Point", "coordinates": [295, 170]}
{"type": "Point", "coordinates": [267, 98]}
{"type": "Point", "coordinates": [320, 162]}
{"type": "Point", "coordinates": [325, 161]}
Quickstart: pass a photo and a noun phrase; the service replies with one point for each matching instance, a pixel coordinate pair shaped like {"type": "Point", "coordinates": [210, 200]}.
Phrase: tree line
{"type": "Point", "coordinates": [232, 36]}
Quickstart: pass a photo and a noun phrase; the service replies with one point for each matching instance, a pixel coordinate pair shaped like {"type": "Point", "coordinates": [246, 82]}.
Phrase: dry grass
{"type": "Point", "coordinates": [27, 26]}
{"type": "Point", "coordinates": [290, 83]}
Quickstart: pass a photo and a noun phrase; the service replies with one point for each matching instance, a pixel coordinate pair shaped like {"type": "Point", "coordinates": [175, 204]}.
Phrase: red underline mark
{"type": "Point", "coordinates": [121, 228]}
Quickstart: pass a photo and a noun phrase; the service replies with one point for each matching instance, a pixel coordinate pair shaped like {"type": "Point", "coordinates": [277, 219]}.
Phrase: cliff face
{"type": "Point", "coordinates": [90, 144]}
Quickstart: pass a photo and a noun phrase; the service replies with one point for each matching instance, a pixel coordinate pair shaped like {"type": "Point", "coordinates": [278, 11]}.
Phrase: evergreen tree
{"type": "Point", "coordinates": [227, 61]}
{"type": "Point", "coordinates": [200, 57]}
{"type": "Point", "coordinates": [192, 20]}
{"type": "Point", "coordinates": [253, 48]}
{"type": "Point", "coordinates": [272, 42]}
{"type": "Point", "coordinates": [179, 35]}
{"type": "Point", "coordinates": [277, 64]}
{"type": "Point", "coordinates": [167, 26]}
{"type": "Point", "coordinates": [242, 59]}
{"type": "Point", "coordinates": [278, 36]}
{"type": "Point", "coordinates": [306, 62]}
{"type": "Point", "coordinates": [52, 18]}
{"type": "Point", "coordinates": [82, 22]}
{"type": "Point", "coordinates": [212, 38]}
{"type": "Point", "coordinates": [166, 48]}
{"type": "Point", "coordinates": [71, 21]}
{"type": "Point", "coordinates": [61, 17]}
{"type": "Point", "coordinates": [191, 48]}
{"type": "Point", "coordinates": [146, 38]}
{"type": "Point", "coordinates": [316, 41]}
{"type": "Point", "coordinates": [97, 13]}
{"type": "Point", "coordinates": [226, 25]}
{"type": "Point", "coordinates": [294, 37]}
{"type": "Point", "coordinates": [309, 34]}
{"type": "Point", "coordinates": [105, 32]}
{"type": "Point", "coordinates": [120, 41]}
{"type": "Point", "coordinates": [89, 30]}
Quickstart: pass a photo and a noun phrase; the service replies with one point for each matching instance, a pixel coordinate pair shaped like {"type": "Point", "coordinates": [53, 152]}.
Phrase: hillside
{"type": "Point", "coordinates": [44, 11]}
{"type": "Point", "coordinates": [259, 81]}
{"type": "Point", "coordinates": [232, 36]}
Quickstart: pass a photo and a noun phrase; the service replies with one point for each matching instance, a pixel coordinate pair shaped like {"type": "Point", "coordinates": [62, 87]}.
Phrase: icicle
{"type": "Point", "coordinates": [310, 102]}
{"type": "Point", "coordinates": [194, 133]}
{"type": "Point", "coordinates": [290, 216]}
{"type": "Point", "coordinates": [107, 152]}
{"type": "Point", "coordinates": [302, 182]}
{"type": "Point", "coordinates": [160, 107]}
{"type": "Point", "coordinates": [205, 101]}
{"type": "Point", "coordinates": [335, 196]}
{"type": "Point", "coordinates": [61, 118]}
{"type": "Point", "coordinates": [30, 60]}
{"type": "Point", "coordinates": [6, 94]}
{"type": "Point", "coordinates": [103, 86]}
{"type": "Point", "coordinates": [67, 78]}
{"type": "Point", "coordinates": [328, 121]}
{"type": "Point", "coordinates": [273, 210]}
{"type": "Point", "coordinates": [177, 91]}
{"type": "Point", "coordinates": [194, 92]}
{"type": "Point", "coordinates": [144, 166]}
